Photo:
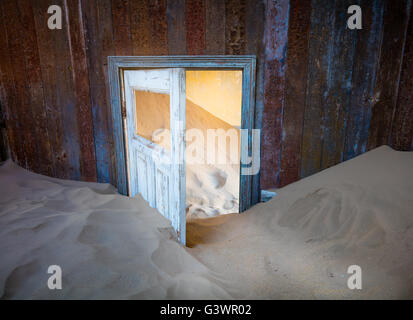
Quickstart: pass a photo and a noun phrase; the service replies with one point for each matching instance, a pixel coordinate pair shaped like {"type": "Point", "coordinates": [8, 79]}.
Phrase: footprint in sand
{"type": "Point", "coordinates": [230, 204]}
{"type": "Point", "coordinates": [218, 178]}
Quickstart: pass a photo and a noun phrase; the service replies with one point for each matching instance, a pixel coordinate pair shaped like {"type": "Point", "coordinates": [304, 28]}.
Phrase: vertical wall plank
{"type": "Point", "coordinates": [158, 25]}
{"type": "Point", "coordinates": [139, 24]}
{"type": "Point", "coordinates": [254, 27]}
{"type": "Point", "coordinates": [175, 12]}
{"type": "Point", "coordinates": [47, 40]}
{"type": "Point", "coordinates": [295, 96]}
{"type": "Point", "coordinates": [322, 22]}
{"type": "Point", "coordinates": [35, 88]}
{"type": "Point", "coordinates": [8, 94]}
{"type": "Point", "coordinates": [4, 149]}
{"type": "Point", "coordinates": [97, 18]}
{"type": "Point", "coordinates": [215, 27]}
{"type": "Point", "coordinates": [66, 97]}
{"type": "Point", "coordinates": [121, 28]}
{"type": "Point", "coordinates": [82, 91]}
{"type": "Point", "coordinates": [148, 27]}
{"type": "Point", "coordinates": [340, 71]}
{"type": "Point", "coordinates": [402, 129]}
{"type": "Point", "coordinates": [235, 26]}
{"type": "Point", "coordinates": [364, 77]}
{"type": "Point", "coordinates": [276, 36]}
{"type": "Point", "coordinates": [388, 73]}
{"type": "Point", "coordinates": [195, 27]}
{"type": "Point", "coordinates": [15, 32]}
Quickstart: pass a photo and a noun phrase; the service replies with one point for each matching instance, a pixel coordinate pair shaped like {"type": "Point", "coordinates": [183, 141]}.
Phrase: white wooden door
{"type": "Point", "coordinates": [155, 172]}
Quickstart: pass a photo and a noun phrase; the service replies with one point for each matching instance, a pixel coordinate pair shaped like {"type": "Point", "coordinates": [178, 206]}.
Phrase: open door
{"type": "Point", "coordinates": [157, 171]}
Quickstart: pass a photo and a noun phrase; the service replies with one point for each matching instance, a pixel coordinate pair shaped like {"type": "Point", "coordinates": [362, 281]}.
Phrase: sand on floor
{"type": "Point", "coordinates": [298, 245]}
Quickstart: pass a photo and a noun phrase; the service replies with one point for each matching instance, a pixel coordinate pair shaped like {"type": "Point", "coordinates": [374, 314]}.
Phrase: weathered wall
{"type": "Point", "coordinates": [402, 124]}
{"type": "Point", "coordinates": [328, 93]}
{"type": "Point", "coordinates": [341, 86]}
{"type": "Point", "coordinates": [3, 138]}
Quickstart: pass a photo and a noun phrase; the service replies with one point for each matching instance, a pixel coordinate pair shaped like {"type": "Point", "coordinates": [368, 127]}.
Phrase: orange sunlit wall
{"type": "Point", "coordinates": [218, 92]}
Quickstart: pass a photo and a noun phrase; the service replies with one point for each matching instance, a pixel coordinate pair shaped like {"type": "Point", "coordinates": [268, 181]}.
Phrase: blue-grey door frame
{"type": "Point", "coordinates": [248, 189]}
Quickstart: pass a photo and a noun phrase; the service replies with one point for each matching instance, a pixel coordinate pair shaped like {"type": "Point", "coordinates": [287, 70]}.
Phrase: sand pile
{"type": "Point", "coordinates": [298, 245]}
{"type": "Point", "coordinates": [211, 189]}
{"type": "Point", "coordinates": [107, 245]}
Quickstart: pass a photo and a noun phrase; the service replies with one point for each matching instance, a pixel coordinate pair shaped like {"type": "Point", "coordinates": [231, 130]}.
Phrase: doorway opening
{"type": "Point", "coordinates": [214, 99]}
{"type": "Point", "coordinates": [213, 111]}
{"type": "Point", "coordinates": [182, 129]}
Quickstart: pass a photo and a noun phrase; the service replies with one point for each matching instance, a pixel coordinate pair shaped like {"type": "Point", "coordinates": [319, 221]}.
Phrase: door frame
{"type": "Point", "coordinates": [249, 184]}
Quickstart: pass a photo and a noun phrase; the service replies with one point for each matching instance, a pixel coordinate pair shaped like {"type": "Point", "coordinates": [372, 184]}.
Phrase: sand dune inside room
{"type": "Point", "coordinates": [211, 189]}
{"type": "Point", "coordinates": [299, 244]}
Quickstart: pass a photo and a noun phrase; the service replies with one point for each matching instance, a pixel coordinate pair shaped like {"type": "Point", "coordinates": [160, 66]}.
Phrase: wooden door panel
{"type": "Point", "coordinates": [156, 173]}
{"type": "Point", "coordinates": [142, 176]}
{"type": "Point", "coordinates": [152, 80]}
{"type": "Point", "coordinates": [162, 192]}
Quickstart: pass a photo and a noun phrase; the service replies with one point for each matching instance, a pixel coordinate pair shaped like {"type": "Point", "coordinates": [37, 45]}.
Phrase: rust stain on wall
{"type": "Point", "coordinates": [195, 27]}
{"type": "Point", "coordinates": [235, 41]}
{"type": "Point", "coordinates": [158, 25]}
{"type": "Point", "coordinates": [215, 26]}
{"type": "Point", "coordinates": [296, 84]}
{"type": "Point", "coordinates": [176, 27]}
{"type": "Point", "coordinates": [140, 27]}
{"type": "Point", "coordinates": [121, 27]}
